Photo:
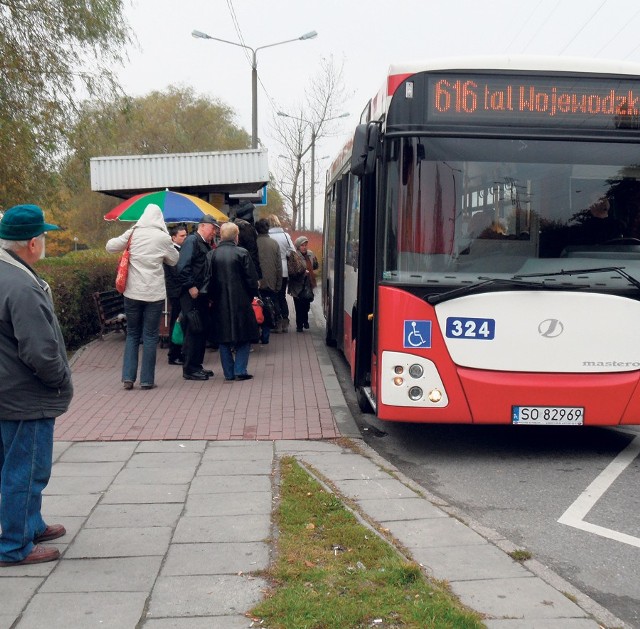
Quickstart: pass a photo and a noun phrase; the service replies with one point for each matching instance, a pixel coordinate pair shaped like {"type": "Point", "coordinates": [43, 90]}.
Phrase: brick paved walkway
{"type": "Point", "coordinates": [286, 399]}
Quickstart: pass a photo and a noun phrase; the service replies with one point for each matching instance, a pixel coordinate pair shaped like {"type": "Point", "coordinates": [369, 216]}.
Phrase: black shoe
{"type": "Point", "coordinates": [244, 376]}
{"type": "Point", "coordinates": [198, 375]}
{"type": "Point", "coordinates": [208, 372]}
{"type": "Point", "coordinates": [177, 361]}
{"type": "Point", "coordinates": [298, 329]}
{"type": "Point", "coordinates": [305, 325]}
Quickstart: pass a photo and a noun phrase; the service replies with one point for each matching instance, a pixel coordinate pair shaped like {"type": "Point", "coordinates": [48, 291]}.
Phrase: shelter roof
{"type": "Point", "coordinates": [231, 172]}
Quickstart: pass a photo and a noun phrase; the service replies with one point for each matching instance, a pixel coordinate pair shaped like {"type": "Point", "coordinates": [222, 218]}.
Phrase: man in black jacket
{"type": "Point", "coordinates": [191, 274]}
{"type": "Point", "coordinates": [243, 217]}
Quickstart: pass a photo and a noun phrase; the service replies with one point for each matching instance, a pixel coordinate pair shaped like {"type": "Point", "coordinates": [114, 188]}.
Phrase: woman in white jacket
{"type": "Point", "coordinates": [145, 292]}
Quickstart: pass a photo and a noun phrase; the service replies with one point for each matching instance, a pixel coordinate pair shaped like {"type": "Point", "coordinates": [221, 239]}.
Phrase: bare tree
{"type": "Point", "coordinates": [298, 133]}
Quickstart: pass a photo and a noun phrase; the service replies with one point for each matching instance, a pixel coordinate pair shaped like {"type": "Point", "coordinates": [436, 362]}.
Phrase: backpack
{"type": "Point", "coordinates": [295, 263]}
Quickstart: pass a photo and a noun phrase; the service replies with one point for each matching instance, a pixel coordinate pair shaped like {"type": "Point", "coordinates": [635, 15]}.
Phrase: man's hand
{"type": "Point", "coordinates": [194, 292]}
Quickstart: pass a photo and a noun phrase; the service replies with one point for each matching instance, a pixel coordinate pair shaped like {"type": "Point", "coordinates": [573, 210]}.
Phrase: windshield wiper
{"type": "Point", "coordinates": [605, 269]}
{"type": "Point", "coordinates": [470, 288]}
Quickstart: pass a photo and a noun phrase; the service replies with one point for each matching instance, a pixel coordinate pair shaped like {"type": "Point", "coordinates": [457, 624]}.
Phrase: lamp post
{"type": "Point", "coordinates": [254, 72]}
{"type": "Point", "coordinates": [312, 146]}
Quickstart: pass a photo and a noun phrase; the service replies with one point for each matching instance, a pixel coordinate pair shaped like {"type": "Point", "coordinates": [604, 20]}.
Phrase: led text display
{"type": "Point", "coordinates": [535, 101]}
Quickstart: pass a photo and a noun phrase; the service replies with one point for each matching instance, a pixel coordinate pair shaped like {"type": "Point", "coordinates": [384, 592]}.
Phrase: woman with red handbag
{"type": "Point", "coordinates": [149, 246]}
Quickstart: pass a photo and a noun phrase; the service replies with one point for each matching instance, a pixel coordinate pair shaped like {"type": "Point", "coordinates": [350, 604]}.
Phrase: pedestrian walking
{"type": "Point", "coordinates": [35, 388]}
{"type": "Point", "coordinates": [150, 247]}
{"type": "Point", "coordinates": [301, 286]}
{"type": "Point", "coordinates": [232, 283]}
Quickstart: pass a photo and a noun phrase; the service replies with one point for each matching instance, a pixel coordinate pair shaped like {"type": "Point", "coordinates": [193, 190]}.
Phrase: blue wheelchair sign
{"type": "Point", "coordinates": [417, 334]}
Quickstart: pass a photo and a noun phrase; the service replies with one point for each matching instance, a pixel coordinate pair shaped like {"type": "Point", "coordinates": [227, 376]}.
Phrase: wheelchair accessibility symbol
{"type": "Point", "coordinates": [417, 334]}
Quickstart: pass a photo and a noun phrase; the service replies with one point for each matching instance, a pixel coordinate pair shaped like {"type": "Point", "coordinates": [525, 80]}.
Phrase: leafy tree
{"type": "Point", "coordinates": [298, 133]}
{"type": "Point", "coordinates": [50, 51]}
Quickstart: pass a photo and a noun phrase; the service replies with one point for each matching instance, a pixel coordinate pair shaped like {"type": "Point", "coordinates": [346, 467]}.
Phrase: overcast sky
{"type": "Point", "coordinates": [367, 35]}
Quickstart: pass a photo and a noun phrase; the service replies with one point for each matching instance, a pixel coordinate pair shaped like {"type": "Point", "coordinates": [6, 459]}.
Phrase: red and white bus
{"type": "Point", "coordinates": [482, 244]}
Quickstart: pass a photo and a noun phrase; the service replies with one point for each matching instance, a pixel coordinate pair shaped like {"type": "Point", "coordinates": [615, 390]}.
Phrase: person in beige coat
{"type": "Point", "coordinates": [145, 292]}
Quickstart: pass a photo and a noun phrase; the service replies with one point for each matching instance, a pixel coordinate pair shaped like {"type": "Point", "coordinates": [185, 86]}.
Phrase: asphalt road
{"type": "Point", "coordinates": [521, 481]}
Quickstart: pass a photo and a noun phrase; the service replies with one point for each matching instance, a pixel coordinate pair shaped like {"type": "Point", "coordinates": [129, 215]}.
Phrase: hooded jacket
{"type": "Point", "coordinates": [35, 377]}
{"type": "Point", "coordinates": [151, 246]}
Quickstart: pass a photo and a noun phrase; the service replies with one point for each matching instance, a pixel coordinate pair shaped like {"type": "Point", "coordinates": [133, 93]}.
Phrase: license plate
{"type": "Point", "coordinates": [547, 415]}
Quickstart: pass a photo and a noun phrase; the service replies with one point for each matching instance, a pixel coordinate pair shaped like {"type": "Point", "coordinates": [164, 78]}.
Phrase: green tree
{"type": "Point", "coordinates": [173, 121]}
{"type": "Point", "coordinates": [50, 51]}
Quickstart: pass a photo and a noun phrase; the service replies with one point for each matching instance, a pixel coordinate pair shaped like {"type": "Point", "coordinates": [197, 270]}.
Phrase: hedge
{"type": "Point", "coordinates": [73, 280]}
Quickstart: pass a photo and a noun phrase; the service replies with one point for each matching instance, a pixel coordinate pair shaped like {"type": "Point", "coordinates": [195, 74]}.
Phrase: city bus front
{"type": "Point", "coordinates": [508, 274]}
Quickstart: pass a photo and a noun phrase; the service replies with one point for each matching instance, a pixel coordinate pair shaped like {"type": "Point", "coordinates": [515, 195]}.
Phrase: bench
{"type": "Point", "coordinates": [110, 305]}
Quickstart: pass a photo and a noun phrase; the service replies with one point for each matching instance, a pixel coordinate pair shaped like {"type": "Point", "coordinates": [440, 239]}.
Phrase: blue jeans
{"type": "Point", "coordinates": [26, 454]}
{"type": "Point", "coordinates": [234, 367]}
{"type": "Point", "coordinates": [143, 322]}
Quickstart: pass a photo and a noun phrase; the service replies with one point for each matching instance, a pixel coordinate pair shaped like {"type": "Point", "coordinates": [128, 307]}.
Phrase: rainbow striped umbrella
{"type": "Point", "coordinates": [176, 208]}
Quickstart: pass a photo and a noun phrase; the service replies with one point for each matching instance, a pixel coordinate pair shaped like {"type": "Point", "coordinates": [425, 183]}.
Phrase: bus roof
{"type": "Point", "coordinates": [399, 72]}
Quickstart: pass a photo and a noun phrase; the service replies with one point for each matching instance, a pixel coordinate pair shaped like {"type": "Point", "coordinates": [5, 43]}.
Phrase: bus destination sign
{"type": "Point", "coordinates": [573, 102]}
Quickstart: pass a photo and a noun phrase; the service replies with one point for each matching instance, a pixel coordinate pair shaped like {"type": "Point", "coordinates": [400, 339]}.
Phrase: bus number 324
{"type": "Point", "coordinates": [469, 328]}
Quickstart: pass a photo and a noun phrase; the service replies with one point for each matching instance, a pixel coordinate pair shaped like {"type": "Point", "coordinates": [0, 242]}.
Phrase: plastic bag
{"type": "Point", "coordinates": [257, 310]}
{"type": "Point", "coordinates": [177, 335]}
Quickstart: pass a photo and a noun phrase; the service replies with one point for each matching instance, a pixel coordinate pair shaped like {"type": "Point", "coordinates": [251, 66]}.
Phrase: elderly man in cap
{"type": "Point", "coordinates": [35, 388]}
{"type": "Point", "coordinates": [194, 303]}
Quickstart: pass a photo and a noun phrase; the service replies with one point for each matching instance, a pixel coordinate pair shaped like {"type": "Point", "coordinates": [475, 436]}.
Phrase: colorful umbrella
{"type": "Point", "coordinates": [176, 208]}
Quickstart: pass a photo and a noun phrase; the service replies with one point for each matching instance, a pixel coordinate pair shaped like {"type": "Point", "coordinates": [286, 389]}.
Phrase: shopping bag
{"type": "Point", "coordinates": [295, 263]}
{"type": "Point", "coordinates": [177, 335]}
{"type": "Point", "coordinates": [123, 268]}
{"type": "Point", "coordinates": [257, 310]}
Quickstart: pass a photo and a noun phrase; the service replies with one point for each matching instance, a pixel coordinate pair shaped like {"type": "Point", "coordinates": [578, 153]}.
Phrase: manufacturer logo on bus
{"type": "Point", "coordinates": [550, 328]}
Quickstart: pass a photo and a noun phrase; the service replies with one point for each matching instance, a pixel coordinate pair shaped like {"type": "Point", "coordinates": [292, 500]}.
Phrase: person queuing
{"type": "Point", "coordinates": [145, 292]}
{"type": "Point", "coordinates": [232, 282]}
{"type": "Point", "coordinates": [301, 286]}
{"type": "Point", "coordinates": [194, 303]}
{"type": "Point", "coordinates": [271, 281]}
{"type": "Point", "coordinates": [178, 234]}
{"type": "Point", "coordinates": [242, 216]}
{"type": "Point", "coordinates": [35, 388]}
{"type": "Point", "coordinates": [286, 248]}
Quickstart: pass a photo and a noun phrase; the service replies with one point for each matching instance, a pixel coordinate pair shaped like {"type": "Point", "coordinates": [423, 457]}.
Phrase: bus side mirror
{"type": "Point", "coordinates": [363, 155]}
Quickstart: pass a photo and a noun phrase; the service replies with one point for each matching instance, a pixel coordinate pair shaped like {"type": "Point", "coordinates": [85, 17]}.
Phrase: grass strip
{"type": "Point", "coordinates": [332, 572]}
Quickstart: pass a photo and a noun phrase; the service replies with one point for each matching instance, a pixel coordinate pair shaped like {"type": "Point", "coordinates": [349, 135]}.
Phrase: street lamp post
{"type": "Point", "coordinates": [254, 72]}
{"type": "Point", "coordinates": [312, 146]}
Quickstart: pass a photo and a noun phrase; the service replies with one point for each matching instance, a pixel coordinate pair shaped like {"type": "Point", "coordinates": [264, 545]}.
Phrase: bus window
{"type": "Point", "coordinates": [470, 207]}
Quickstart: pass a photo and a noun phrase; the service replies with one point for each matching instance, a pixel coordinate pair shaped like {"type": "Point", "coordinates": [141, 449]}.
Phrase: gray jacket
{"type": "Point", "coordinates": [35, 377]}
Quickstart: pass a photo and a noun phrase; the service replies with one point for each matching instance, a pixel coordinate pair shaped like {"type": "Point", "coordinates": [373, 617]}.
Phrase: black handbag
{"type": "Point", "coordinates": [307, 292]}
{"type": "Point", "coordinates": [194, 322]}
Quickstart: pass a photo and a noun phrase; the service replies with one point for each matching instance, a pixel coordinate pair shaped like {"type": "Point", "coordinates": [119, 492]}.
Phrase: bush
{"type": "Point", "coordinates": [73, 280]}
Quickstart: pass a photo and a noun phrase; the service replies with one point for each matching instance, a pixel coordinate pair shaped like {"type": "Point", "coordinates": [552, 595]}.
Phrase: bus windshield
{"type": "Point", "coordinates": [461, 209]}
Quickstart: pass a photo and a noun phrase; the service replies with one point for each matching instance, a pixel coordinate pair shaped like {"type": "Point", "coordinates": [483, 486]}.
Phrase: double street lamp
{"type": "Point", "coordinates": [312, 146]}
{"type": "Point", "coordinates": [254, 72]}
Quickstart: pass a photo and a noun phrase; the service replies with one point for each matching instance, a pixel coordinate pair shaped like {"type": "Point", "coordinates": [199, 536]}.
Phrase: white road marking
{"type": "Point", "coordinates": [575, 514]}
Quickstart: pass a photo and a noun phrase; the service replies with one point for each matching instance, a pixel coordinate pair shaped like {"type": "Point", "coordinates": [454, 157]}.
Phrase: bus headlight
{"type": "Point", "coordinates": [411, 381]}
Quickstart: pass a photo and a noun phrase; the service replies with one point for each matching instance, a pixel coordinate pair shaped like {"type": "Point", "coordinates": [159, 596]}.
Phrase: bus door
{"type": "Point", "coordinates": [364, 308]}
{"type": "Point", "coordinates": [334, 279]}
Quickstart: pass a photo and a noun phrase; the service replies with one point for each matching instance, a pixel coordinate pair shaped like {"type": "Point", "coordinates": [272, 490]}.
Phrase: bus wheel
{"type": "Point", "coordinates": [363, 401]}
